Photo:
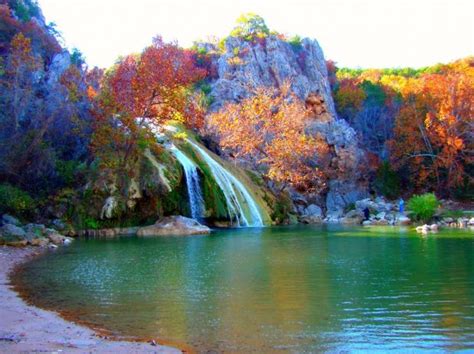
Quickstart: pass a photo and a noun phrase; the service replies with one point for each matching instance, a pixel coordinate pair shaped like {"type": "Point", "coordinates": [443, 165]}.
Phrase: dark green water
{"type": "Point", "coordinates": [300, 289]}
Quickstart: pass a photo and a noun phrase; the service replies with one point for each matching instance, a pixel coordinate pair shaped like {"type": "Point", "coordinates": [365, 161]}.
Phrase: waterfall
{"type": "Point", "coordinates": [232, 188]}
{"type": "Point", "coordinates": [196, 201]}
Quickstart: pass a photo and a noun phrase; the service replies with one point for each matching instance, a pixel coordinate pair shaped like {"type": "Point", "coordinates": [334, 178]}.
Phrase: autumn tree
{"type": "Point", "coordinates": [250, 26]}
{"type": "Point", "coordinates": [269, 130]}
{"type": "Point", "coordinates": [434, 130]}
{"type": "Point", "coordinates": [138, 95]}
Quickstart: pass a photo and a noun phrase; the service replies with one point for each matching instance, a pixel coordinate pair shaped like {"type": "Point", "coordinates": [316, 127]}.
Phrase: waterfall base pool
{"type": "Point", "coordinates": [295, 289]}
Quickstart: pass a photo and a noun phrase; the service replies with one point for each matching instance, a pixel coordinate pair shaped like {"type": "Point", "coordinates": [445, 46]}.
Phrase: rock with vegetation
{"type": "Point", "coordinates": [174, 226]}
{"type": "Point", "coordinates": [253, 57]}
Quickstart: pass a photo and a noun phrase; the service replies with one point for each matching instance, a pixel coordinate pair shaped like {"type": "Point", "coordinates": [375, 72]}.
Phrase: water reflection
{"type": "Point", "coordinates": [290, 289]}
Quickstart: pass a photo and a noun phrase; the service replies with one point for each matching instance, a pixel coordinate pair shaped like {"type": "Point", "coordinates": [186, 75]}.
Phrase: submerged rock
{"type": "Point", "coordinates": [174, 225]}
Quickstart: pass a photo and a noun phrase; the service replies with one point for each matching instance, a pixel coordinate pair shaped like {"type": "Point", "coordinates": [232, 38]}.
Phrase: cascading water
{"type": "Point", "coordinates": [196, 201]}
{"type": "Point", "coordinates": [237, 197]}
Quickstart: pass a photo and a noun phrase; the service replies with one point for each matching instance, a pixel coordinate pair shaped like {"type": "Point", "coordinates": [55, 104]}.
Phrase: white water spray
{"type": "Point", "coordinates": [238, 199]}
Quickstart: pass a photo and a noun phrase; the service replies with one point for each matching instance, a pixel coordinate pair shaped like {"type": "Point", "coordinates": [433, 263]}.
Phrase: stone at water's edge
{"type": "Point", "coordinates": [174, 226]}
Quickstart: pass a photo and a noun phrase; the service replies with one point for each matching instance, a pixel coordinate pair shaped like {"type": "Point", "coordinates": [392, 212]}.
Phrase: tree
{"type": "Point", "coordinates": [269, 130]}
{"type": "Point", "coordinates": [434, 129]}
{"type": "Point", "coordinates": [250, 26]}
{"type": "Point", "coordinates": [141, 93]}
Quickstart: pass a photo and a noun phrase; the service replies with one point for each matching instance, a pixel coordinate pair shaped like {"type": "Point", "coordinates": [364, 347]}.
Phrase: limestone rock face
{"type": "Point", "coordinates": [269, 62]}
{"type": "Point", "coordinates": [174, 226]}
{"type": "Point", "coordinates": [341, 194]}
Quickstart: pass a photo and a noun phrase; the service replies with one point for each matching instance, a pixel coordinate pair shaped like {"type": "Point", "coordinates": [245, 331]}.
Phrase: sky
{"type": "Point", "coordinates": [354, 33]}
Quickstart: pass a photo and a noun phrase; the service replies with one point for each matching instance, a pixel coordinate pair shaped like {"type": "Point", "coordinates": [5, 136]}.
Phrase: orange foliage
{"type": "Point", "coordinates": [269, 128]}
{"type": "Point", "coordinates": [434, 129]}
{"type": "Point", "coordinates": [349, 96]}
{"type": "Point", "coordinates": [142, 92]}
{"type": "Point", "coordinates": [153, 86]}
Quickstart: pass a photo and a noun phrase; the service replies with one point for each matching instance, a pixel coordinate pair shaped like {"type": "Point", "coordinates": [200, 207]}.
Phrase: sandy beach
{"type": "Point", "coordinates": [27, 329]}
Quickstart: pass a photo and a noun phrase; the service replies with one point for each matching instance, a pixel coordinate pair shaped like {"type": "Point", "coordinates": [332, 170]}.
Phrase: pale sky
{"type": "Point", "coordinates": [354, 33]}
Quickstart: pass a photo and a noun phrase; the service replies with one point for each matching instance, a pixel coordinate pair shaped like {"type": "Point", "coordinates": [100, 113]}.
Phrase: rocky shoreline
{"type": "Point", "coordinates": [26, 329]}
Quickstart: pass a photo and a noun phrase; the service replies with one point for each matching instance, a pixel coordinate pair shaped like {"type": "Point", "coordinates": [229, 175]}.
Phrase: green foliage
{"type": "Point", "coordinates": [424, 206]}
{"type": "Point", "coordinates": [77, 58]}
{"type": "Point", "coordinates": [250, 26]}
{"type": "Point", "coordinates": [455, 214]}
{"type": "Point", "coordinates": [67, 171]}
{"type": "Point", "coordinates": [295, 43]}
{"type": "Point", "coordinates": [91, 223]}
{"type": "Point", "coordinates": [349, 207]}
{"type": "Point", "coordinates": [281, 208]}
{"type": "Point", "coordinates": [25, 10]}
{"type": "Point", "coordinates": [376, 96]}
{"type": "Point", "coordinates": [405, 72]}
{"type": "Point", "coordinates": [387, 181]}
{"type": "Point", "coordinates": [14, 200]}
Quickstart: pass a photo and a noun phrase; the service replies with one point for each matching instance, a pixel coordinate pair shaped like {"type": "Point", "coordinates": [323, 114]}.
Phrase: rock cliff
{"type": "Point", "coordinates": [269, 61]}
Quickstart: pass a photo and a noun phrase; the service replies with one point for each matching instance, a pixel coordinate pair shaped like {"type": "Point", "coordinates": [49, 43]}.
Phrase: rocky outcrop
{"type": "Point", "coordinates": [312, 214]}
{"type": "Point", "coordinates": [31, 234]}
{"type": "Point", "coordinates": [174, 226]}
{"type": "Point", "coordinates": [270, 61]}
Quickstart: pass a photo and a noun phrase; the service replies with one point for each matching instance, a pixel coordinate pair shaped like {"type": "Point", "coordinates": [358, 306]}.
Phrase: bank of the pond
{"type": "Point", "coordinates": [24, 328]}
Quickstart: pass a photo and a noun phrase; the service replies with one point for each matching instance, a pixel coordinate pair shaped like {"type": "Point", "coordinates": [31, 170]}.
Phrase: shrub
{"type": "Point", "coordinates": [423, 207]}
{"type": "Point", "coordinates": [14, 200]}
{"type": "Point", "coordinates": [387, 181]}
{"type": "Point", "coordinates": [295, 43]}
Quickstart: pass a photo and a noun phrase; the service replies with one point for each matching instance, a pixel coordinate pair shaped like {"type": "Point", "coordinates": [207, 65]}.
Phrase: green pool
{"type": "Point", "coordinates": [288, 289]}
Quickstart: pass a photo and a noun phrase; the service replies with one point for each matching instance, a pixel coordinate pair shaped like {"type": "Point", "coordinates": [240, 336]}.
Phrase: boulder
{"type": "Point", "coordinates": [39, 242]}
{"type": "Point", "coordinates": [353, 217]}
{"type": "Point", "coordinates": [313, 214]}
{"type": "Point", "coordinates": [341, 194]}
{"type": "Point", "coordinates": [471, 221]}
{"type": "Point", "coordinates": [175, 226]}
{"type": "Point", "coordinates": [366, 223]}
{"type": "Point", "coordinates": [380, 222]}
{"type": "Point", "coordinates": [378, 205]}
{"type": "Point", "coordinates": [434, 228]}
{"type": "Point", "coordinates": [8, 219]}
{"type": "Point", "coordinates": [37, 229]}
{"type": "Point", "coordinates": [463, 222]}
{"type": "Point", "coordinates": [402, 220]}
{"type": "Point", "coordinates": [58, 224]}
{"type": "Point", "coordinates": [56, 238]}
{"type": "Point", "coordinates": [12, 235]}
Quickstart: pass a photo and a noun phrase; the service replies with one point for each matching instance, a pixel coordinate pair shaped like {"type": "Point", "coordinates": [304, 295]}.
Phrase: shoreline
{"type": "Point", "coordinates": [25, 328]}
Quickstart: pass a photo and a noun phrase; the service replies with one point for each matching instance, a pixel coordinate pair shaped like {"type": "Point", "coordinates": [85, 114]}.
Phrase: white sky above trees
{"type": "Point", "coordinates": [354, 33]}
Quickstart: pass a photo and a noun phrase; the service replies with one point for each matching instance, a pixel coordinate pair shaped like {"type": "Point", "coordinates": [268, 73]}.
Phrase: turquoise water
{"type": "Point", "coordinates": [295, 289]}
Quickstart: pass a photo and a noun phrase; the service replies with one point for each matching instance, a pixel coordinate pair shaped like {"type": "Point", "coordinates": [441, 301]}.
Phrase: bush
{"type": "Point", "coordinates": [387, 181]}
{"type": "Point", "coordinates": [14, 200]}
{"type": "Point", "coordinates": [295, 43]}
{"type": "Point", "coordinates": [423, 206]}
